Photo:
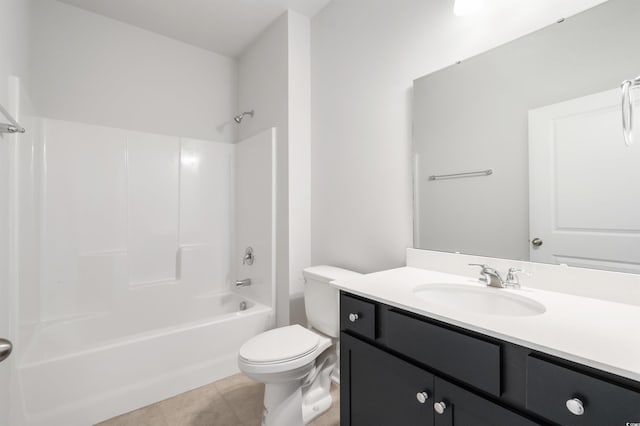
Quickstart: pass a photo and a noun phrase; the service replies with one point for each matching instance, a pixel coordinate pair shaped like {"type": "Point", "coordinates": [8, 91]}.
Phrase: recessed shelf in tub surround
{"type": "Point", "coordinates": [591, 331]}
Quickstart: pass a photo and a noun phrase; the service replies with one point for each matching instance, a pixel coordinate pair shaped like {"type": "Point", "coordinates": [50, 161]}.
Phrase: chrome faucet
{"type": "Point", "coordinates": [492, 278]}
{"type": "Point", "coordinates": [243, 283]}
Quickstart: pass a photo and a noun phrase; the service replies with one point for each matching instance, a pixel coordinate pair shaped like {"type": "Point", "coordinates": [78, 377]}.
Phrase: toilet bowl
{"type": "Point", "coordinates": [296, 364]}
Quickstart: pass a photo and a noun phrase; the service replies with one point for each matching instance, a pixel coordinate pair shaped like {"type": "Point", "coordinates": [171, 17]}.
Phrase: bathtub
{"type": "Point", "coordinates": [88, 369]}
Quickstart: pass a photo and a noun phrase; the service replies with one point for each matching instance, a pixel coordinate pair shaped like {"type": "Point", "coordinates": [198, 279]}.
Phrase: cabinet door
{"type": "Point", "coordinates": [458, 407]}
{"type": "Point", "coordinates": [378, 389]}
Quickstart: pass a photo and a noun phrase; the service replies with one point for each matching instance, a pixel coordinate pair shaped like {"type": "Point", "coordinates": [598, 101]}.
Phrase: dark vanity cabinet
{"type": "Point", "coordinates": [399, 368]}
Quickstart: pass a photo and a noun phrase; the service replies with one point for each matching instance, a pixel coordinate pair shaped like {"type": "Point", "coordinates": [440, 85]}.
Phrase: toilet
{"type": "Point", "coordinates": [295, 363]}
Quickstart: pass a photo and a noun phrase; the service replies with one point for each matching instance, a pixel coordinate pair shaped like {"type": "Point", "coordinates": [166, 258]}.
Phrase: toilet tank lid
{"type": "Point", "coordinates": [326, 273]}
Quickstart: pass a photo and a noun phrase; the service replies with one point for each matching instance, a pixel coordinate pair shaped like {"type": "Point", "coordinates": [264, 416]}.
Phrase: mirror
{"type": "Point", "coordinates": [539, 120]}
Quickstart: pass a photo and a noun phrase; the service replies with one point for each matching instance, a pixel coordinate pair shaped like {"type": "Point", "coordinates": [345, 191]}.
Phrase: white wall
{"type": "Point", "coordinates": [299, 72]}
{"type": "Point", "coordinates": [92, 69]}
{"type": "Point", "coordinates": [365, 56]}
{"type": "Point", "coordinates": [14, 43]}
{"type": "Point", "coordinates": [273, 80]}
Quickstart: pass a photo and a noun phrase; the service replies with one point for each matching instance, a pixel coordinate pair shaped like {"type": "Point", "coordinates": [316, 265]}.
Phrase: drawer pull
{"type": "Point", "coordinates": [440, 407]}
{"type": "Point", "coordinates": [422, 397]}
{"type": "Point", "coordinates": [353, 317]}
{"type": "Point", "coordinates": [575, 406]}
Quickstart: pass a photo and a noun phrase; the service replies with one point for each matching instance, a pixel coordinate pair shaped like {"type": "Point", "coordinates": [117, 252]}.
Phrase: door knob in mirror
{"type": "Point", "coordinates": [536, 242]}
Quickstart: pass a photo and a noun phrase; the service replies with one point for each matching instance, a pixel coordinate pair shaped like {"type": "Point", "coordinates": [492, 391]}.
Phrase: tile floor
{"type": "Point", "coordinates": [234, 401]}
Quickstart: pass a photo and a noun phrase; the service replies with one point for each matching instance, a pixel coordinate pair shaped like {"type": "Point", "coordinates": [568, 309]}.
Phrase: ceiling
{"type": "Point", "coordinates": [222, 26]}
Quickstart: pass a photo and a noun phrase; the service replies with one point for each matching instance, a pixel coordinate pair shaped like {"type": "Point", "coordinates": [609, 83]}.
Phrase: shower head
{"type": "Point", "coordinates": [238, 118]}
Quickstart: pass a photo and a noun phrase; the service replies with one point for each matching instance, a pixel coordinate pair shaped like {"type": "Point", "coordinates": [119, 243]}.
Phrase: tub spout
{"type": "Point", "coordinates": [243, 283]}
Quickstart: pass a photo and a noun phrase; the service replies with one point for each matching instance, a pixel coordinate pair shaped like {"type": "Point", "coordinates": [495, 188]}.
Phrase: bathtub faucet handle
{"type": "Point", "coordinates": [243, 283]}
{"type": "Point", "coordinates": [248, 257]}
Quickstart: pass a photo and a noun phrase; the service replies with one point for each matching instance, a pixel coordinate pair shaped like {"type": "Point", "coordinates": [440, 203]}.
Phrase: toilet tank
{"type": "Point", "coordinates": [321, 300]}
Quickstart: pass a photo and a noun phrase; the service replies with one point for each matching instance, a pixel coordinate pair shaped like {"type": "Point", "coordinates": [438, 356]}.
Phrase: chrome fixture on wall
{"type": "Point", "coordinates": [487, 172]}
{"type": "Point", "coordinates": [5, 349]}
{"type": "Point", "coordinates": [13, 126]}
{"type": "Point", "coordinates": [627, 109]}
{"type": "Point", "coordinates": [238, 118]}
{"type": "Point", "coordinates": [243, 283]}
{"type": "Point", "coordinates": [248, 257]}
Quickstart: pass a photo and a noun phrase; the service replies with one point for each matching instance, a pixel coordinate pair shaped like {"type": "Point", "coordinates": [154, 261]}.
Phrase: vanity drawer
{"type": "Point", "coordinates": [550, 386]}
{"type": "Point", "coordinates": [466, 358]}
{"type": "Point", "coordinates": [358, 316]}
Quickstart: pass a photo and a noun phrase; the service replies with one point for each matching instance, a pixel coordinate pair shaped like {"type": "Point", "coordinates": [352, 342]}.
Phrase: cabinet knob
{"type": "Point", "coordinates": [353, 317]}
{"type": "Point", "coordinates": [536, 242]}
{"type": "Point", "coordinates": [422, 397]}
{"type": "Point", "coordinates": [575, 406]}
{"type": "Point", "coordinates": [440, 407]}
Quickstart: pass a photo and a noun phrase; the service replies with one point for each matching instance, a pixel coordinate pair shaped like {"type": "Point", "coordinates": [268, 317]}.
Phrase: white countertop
{"type": "Point", "coordinates": [600, 334]}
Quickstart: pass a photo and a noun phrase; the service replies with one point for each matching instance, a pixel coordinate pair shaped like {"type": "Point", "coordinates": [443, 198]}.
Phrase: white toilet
{"type": "Point", "coordinates": [296, 363]}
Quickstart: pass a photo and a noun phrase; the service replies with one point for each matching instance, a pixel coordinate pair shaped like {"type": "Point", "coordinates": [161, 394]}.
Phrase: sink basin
{"type": "Point", "coordinates": [479, 300]}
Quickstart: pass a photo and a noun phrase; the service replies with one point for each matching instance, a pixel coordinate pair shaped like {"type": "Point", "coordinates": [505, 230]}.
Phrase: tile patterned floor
{"type": "Point", "coordinates": [234, 401]}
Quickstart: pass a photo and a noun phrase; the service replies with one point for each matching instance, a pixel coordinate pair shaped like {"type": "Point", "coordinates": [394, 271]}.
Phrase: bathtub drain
{"type": "Point", "coordinates": [243, 306]}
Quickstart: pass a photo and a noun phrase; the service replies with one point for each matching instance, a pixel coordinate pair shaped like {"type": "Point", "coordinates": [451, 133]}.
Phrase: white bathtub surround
{"type": "Point", "coordinates": [134, 302]}
{"type": "Point", "coordinates": [255, 215]}
{"type": "Point", "coordinates": [131, 210]}
{"type": "Point", "coordinates": [594, 332]}
{"type": "Point", "coordinates": [84, 371]}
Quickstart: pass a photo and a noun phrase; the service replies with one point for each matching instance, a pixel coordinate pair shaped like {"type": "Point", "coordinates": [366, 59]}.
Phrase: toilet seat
{"type": "Point", "coordinates": [279, 345]}
{"type": "Point", "coordinates": [282, 349]}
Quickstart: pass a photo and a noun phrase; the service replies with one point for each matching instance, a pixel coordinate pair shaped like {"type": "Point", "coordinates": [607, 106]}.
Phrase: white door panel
{"type": "Point", "coordinates": [584, 185]}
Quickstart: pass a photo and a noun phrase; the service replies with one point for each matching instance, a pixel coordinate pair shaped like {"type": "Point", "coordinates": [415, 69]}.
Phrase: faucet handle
{"type": "Point", "coordinates": [482, 265]}
{"type": "Point", "coordinates": [512, 277]}
{"type": "Point", "coordinates": [248, 257]}
{"type": "Point", "coordinates": [483, 277]}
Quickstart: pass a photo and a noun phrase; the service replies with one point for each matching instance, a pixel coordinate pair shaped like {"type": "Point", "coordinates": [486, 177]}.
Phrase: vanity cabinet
{"type": "Point", "coordinates": [382, 389]}
{"type": "Point", "coordinates": [399, 368]}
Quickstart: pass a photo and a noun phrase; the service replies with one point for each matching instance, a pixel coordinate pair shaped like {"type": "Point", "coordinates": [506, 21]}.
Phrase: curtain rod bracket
{"type": "Point", "coordinates": [13, 126]}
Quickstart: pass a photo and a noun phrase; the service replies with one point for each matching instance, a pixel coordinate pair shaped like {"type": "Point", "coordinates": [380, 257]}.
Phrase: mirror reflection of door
{"type": "Point", "coordinates": [584, 185]}
{"type": "Point", "coordinates": [474, 115]}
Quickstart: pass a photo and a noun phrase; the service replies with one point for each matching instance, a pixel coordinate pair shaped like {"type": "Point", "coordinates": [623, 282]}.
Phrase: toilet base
{"type": "Point", "coordinates": [299, 402]}
{"type": "Point", "coordinates": [282, 402]}
{"type": "Point", "coordinates": [335, 374]}
{"type": "Point", "coordinates": [316, 392]}
{"type": "Point", "coordinates": [310, 412]}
